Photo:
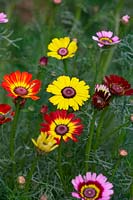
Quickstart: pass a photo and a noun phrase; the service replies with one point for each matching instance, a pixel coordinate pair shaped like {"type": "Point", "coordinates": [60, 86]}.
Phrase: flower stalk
{"type": "Point", "coordinates": [89, 141]}
{"type": "Point", "coordinates": [12, 138]}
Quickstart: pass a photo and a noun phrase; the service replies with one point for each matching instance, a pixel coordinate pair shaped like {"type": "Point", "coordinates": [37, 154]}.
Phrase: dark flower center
{"type": "Point", "coordinates": [68, 92]}
{"type": "Point", "coordinates": [20, 91]}
{"type": "Point", "coordinates": [89, 192]}
{"type": "Point", "coordinates": [117, 89]}
{"type": "Point", "coordinates": [63, 51]}
{"type": "Point", "coordinates": [61, 129]}
{"type": "Point", "coordinates": [2, 117]}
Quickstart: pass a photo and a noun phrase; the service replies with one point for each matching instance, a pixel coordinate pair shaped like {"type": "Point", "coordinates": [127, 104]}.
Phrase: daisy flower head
{"type": "Point", "coordinates": [101, 97]}
{"type": "Point", "coordinates": [92, 187]}
{"type": "Point", "coordinates": [19, 84]}
{"type": "Point", "coordinates": [45, 143]}
{"type": "Point", "coordinates": [3, 18]}
{"type": "Point", "coordinates": [62, 48]}
{"type": "Point", "coordinates": [6, 113]}
{"type": "Point", "coordinates": [62, 125]}
{"type": "Point", "coordinates": [68, 92]}
{"type": "Point", "coordinates": [118, 85]}
{"type": "Point", "coordinates": [106, 39]}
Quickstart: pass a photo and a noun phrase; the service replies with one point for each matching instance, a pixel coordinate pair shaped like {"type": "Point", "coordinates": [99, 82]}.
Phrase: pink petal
{"type": "Point", "coordinates": [108, 193]}
{"type": "Point", "coordinates": [104, 33]}
{"type": "Point", "coordinates": [95, 38]}
{"type": "Point", "coordinates": [99, 34]}
{"type": "Point", "coordinates": [115, 39]}
{"type": "Point", "coordinates": [76, 195]}
{"type": "Point", "coordinates": [88, 176]}
{"type": "Point", "coordinates": [100, 45]}
{"type": "Point", "coordinates": [93, 177]}
{"type": "Point", "coordinates": [109, 34]}
{"type": "Point", "coordinates": [101, 178]}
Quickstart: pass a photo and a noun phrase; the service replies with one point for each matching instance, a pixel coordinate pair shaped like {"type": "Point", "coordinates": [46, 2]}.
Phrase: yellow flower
{"type": "Point", "coordinates": [45, 142]}
{"type": "Point", "coordinates": [62, 48]}
{"type": "Point", "coordinates": [68, 92]}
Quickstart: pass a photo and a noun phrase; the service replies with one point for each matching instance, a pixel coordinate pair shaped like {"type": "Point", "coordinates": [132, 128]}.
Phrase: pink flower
{"type": "Point", "coordinates": [92, 187]}
{"type": "Point", "coordinates": [57, 1]}
{"type": "Point", "coordinates": [105, 38]}
{"type": "Point", "coordinates": [3, 18]}
{"type": "Point", "coordinates": [125, 19]}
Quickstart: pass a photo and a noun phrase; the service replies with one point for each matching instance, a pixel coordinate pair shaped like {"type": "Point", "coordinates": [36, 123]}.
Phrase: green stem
{"type": "Point", "coordinates": [65, 66]}
{"type": "Point", "coordinates": [99, 127]}
{"type": "Point", "coordinates": [89, 141]}
{"type": "Point", "coordinates": [12, 139]}
{"type": "Point", "coordinates": [31, 171]}
{"type": "Point", "coordinates": [131, 191]}
{"type": "Point", "coordinates": [60, 167]}
{"type": "Point", "coordinates": [115, 168]}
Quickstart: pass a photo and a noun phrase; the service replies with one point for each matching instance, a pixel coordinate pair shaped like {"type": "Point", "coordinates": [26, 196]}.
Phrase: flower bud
{"type": "Point", "coordinates": [43, 61]}
{"type": "Point", "coordinates": [123, 152]}
{"type": "Point", "coordinates": [125, 19]}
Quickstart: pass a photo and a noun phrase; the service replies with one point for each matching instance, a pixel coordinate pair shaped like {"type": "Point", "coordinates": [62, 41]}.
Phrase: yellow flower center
{"type": "Point", "coordinates": [61, 129]}
{"type": "Point", "coordinates": [90, 192]}
{"type": "Point", "coordinates": [63, 51]}
{"type": "Point", "coordinates": [68, 92]}
{"type": "Point", "coordinates": [105, 40]}
{"type": "Point", "coordinates": [20, 91]}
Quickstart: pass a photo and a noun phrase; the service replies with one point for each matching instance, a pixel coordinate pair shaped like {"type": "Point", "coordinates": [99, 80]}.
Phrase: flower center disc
{"type": "Point", "coordinates": [117, 88]}
{"type": "Point", "coordinates": [2, 117]}
{"type": "Point", "coordinates": [61, 129]}
{"type": "Point", "coordinates": [62, 51]}
{"type": "Point", "coordinates": [20, 91]}
{"type": "Point", "coordinates": [105, 40]}
{"type": "Point", "coordinates": [89, 192]}
{"type": "Point", "coordinates": [68, 92]}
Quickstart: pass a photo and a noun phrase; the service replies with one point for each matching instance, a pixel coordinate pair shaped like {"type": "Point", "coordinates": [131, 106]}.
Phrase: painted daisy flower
{"type": "Point", "coordinates": [3, 18]}
{"type": "Point", "coordinates": [45, 143]}
{"type": "Point", "coordinates": [6, 113]}
{"type": "Point", "coordinates": [62, 125]}
{"type": "Point", "coordinates": [20, 84]}
{"type": "Point", "coordinates": [92, 187]}
{"type": "Point", "coordinates": [105, 38]}
{"type": "Point", "coordinates": [101, 97]}
{"type": "Point", "coordinates": [118, 85]}
{"type": "Point", "coordinates": [68, 92]}
{"type": "Point", "coordinates": [62, 48]}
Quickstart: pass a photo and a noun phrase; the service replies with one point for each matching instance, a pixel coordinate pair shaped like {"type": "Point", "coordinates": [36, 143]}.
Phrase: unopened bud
{"type": "Point", "coordinates": [123, 152]}
{"type": "Point", "coordinates": [21, 180]}
{"type": "Point", "coordinates": [43, 197]}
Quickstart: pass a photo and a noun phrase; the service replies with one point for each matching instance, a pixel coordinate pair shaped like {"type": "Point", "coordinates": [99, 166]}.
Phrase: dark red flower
{"type": "Point", "coordinates": [6, 113]}
{"type": "Point", "coordinates": [101, 97]}
{"type": "Point", "coordinates": [44, 109]}
{"type": "Point", "coordinates": [118, 85]}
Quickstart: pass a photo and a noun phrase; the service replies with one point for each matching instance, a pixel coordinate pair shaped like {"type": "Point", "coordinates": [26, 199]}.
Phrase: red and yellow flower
{"type": "Point", "coordinates": [118, 85]}
{"type": "Point", "coordinates": [62, 125]}
{"type": "Point", "coordinates": [6, 113]}
{"type": "Point", "coordinates": [19, 84]}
